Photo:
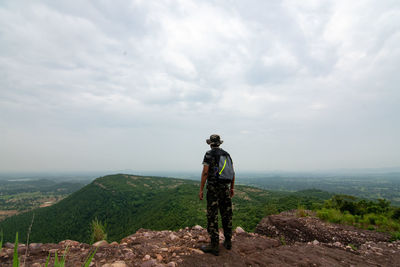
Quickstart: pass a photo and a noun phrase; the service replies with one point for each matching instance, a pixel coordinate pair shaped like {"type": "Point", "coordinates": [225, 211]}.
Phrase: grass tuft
{"type": "Point", "coordinates": [89, 259]}
{"type": "Point", "coordinates": [98, 231]}
{"type": "Point", "coordinates": [301, 212]}
{"type": "Point", "coordinates": [15, 256]}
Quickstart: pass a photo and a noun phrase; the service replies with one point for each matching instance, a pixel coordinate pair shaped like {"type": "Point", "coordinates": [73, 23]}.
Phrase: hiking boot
{"type": "Point", "coordinates": [228, 244]}
{"type": "Point", "coordinates": [211, 248]}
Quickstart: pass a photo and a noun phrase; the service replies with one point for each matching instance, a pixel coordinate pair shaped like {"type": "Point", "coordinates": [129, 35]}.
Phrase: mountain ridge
{"type": "Point", "coordinates": [125, 203]}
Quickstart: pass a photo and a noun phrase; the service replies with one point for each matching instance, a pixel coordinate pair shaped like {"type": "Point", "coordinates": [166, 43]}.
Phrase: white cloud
{"type": "Point", "coordinates": [291, 75]}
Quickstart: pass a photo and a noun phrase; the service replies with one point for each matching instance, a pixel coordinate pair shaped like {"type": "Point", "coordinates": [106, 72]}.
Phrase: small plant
{"type": "Point", "coordinates": [47, 260]}
{"type": "Point", "coordinates": [98, 231]}
{"type": "Point", "coordinates": [89, 259]}
{"type": "Point", "coordinates": [301, 212]}
{"type": "Point", "coordinates": [15, 256]}
{"type": "Point", "coordinates": [282, 239]}
{"type": "Point", "coordinates": [60, 262]}
{"type": "Point", "coordinates": [353, 247]}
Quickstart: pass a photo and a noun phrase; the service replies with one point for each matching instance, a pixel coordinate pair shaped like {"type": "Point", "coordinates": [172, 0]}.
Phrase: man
{"type": "Point", "coordinates": [218, 196]}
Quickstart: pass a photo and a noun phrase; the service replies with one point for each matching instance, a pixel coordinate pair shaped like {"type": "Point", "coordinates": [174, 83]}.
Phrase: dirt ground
{"type": "Point", "coordinates": [281, 240]}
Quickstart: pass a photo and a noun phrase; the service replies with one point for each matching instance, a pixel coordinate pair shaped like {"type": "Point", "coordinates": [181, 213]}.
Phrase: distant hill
{"type": "Point", "coordinates": [125, 203]}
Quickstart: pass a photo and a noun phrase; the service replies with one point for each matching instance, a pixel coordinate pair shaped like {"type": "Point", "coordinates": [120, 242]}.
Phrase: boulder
{"type": "Point", "coordinates": [101, 243]}
{"type": "Point", "coordinates": [239, 230]}
{"type": "Point", "coordinates": [197, 227]}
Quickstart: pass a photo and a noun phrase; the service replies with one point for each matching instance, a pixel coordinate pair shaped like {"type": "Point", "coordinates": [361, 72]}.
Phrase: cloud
{"type": "Point", "coordinates": [291, 75]}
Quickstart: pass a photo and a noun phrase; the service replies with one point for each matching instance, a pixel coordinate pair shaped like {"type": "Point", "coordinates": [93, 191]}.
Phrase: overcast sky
{"type": "Point", "coordinates": [111, 85]}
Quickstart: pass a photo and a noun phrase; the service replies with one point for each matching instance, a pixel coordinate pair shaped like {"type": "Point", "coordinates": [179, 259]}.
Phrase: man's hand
{"type": "Point", "coordinates": [232, 193]}
{"type": "Point", "coordinates": [201, 195]}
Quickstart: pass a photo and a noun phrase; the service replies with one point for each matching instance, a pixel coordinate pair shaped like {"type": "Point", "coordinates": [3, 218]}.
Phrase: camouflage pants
{"type": "Point", "coordinates": [218, 197]}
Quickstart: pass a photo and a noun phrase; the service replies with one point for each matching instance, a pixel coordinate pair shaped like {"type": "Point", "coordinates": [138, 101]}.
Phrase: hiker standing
{"type": "Point", "coordinates": [219, 174]}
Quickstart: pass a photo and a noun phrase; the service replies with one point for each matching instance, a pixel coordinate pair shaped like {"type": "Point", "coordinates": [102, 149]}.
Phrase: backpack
{"type": "Point", "coordinates": [223, 166]}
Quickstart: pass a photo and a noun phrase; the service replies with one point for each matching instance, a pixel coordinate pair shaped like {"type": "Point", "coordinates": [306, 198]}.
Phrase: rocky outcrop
{"type": "Point", "coordinates": [311, 247]}
{"type": "Point", "coordinates": [289, 227]}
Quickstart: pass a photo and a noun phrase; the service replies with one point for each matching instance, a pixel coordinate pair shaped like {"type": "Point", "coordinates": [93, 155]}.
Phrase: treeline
{"type": "Point", "coordinates": [385, 186]}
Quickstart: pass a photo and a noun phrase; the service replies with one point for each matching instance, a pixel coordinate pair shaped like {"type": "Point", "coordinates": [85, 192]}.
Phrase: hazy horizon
{"type": "Point", "coordinates": [292, 86]}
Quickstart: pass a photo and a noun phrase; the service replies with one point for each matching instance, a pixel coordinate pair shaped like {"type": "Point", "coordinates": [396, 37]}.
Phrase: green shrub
{"type": "Point", "coordinates": [396, 214]}
{"type": "Point", "coordinates": [371, 219]}
{"type": "Point", "coordinates": [98, 231]}
{"type": "Point", "coordinates": [331, 215]}
{"type": "Point", "coordinates": [349, 219]}
{"type": "Point", "coordinates": [395, 236]}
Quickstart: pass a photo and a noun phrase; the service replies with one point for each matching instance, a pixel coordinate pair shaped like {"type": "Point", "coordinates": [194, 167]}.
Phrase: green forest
{"type": "Point", "coordinates": [126, 203]}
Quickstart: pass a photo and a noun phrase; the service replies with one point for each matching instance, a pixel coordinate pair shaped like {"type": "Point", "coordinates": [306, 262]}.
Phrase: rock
{"type": "Point", "coordinates": [106, 265]}
{"type": "Point", "coordinates": [69, 243]}
{"type": "Point", "coordinates": [337, 244]}
{"type": "Point", "coordinates": [34, 246]}
{"type": "Point", "coordinates": [8, 245]}
{"type": "Point", "coordinates": [159, 257]}
{"type": "Point", "coordinates": [101, 243]}
{"type": "Point", "coordinates": [114, 243]}
{"type": "Point", "coordinates": [149, 263]}
{"type": "Point", "coordinates": [171, 264]}
{"type": "Point", "coordinates": [202, 238]}
{"type": "Point", "coordinates": [173, 237]}
{"type": "Point", "coordinates": [197, 251]}
{"type": "Point", "coordinates": [36, 264]}
{"type": "Point", "coordinates": [197, 227]}
{"type": "Point", "coordinates": [119, 264]}
{"type": "Point", "coordinates": [129, 255]}
{"type": "Point", "coordinates": [164, 249]}
{"type": "Point", "coordinates": [53, 251]}
{"type": "Point", "coordinates": [146, 257]}
{"type": "Point", "coordinates": [147, 234]}
{"type": "Point", "coordinates": [239, 230]}
{"type": "Point", "coordinates": [315, 242]}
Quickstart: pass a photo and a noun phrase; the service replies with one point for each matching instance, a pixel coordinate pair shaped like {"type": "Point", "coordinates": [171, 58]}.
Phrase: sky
{"type": "Point", "coordinates": [140, 85]}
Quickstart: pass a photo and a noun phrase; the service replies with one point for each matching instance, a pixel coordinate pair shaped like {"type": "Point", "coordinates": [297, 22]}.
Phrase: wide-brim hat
{"type": "Point", "coordinates": [214, 139]}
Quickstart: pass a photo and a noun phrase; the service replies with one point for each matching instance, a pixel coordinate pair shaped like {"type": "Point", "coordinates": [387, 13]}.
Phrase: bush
{"type": "Point", "coordinates": [396, 214]}
{"type": "Point", "coordinates": [330, 215]}
{"type": "Point", "coordinates": [348, 219]}
{"type": "Point", "coordinates": [395, 236]}
{"type": "Point", "coordinates": [98, 231]}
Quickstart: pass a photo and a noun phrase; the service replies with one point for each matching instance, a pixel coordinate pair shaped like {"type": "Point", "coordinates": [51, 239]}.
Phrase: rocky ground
{"type": "Point", "coordinates": [280, 240]}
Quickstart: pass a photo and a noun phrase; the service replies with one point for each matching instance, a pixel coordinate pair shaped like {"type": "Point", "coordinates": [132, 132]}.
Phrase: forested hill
{"type": "Point", "coordinates": [125, 203]}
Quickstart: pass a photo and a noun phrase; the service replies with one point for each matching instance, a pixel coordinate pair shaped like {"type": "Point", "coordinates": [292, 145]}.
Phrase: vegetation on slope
{"type": "Point", "coordinates": [372, 215]}
{"type": "Point", "coordinates": [125, 203]}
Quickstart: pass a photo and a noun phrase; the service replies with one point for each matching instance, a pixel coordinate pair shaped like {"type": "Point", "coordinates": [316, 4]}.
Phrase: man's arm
{"type": "Point", "coordinates": [233, 186]}
{"type": "Point", "coordinates": [204, 175]}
